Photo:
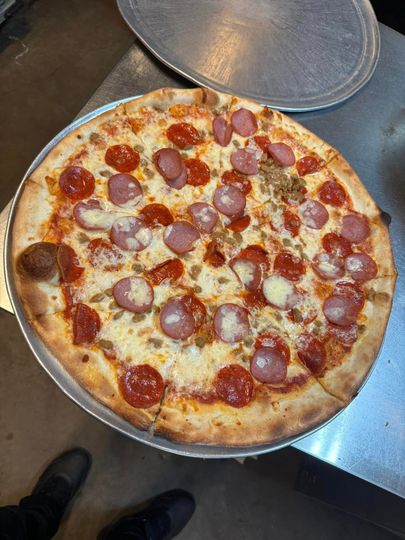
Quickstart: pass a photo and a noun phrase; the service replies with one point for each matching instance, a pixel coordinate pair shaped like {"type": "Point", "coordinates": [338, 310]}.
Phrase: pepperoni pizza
{"type": "Point", "coordinates": [206, 267]}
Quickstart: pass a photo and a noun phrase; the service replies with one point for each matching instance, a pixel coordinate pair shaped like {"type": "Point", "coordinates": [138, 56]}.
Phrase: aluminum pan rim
{"type": "Point", "coordinates": [80, 396]}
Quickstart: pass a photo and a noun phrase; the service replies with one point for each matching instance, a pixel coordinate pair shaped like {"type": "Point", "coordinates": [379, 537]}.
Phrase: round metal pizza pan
{"type": "Point", "coordinates": [295, 55]}
{"type": "Point", "coordinates": [69, 385]}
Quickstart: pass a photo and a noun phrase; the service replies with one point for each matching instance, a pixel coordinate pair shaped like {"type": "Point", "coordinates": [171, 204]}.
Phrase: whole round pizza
{"type": "Point", "coordinates": [206, 267]}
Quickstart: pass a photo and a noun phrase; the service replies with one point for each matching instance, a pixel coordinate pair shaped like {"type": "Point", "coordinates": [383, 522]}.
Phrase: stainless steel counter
{"type": "Point", "coordinates": [368, 439]}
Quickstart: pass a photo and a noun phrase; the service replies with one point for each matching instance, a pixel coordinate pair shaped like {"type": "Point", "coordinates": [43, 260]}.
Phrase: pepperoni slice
{"type": "Point", "coordinates": [183, 134]}
{"type": "Point", "coordinates": [313, 214]}
{"type": "Point", "coordinates": [346, 335]}
{"type": "Point", "coordinates": [91, 216]}
{"type": "Point", "coordinates": [241, 182]}
{"type": "Point", "coordinates": [39, 260]}
{"type": "Point", "coordinates": [307, 165]}
{"type": "Point", "coordinates": [275, 342]}
{"type": "Point", "coordinates": [231, 323]}
{"type": "Point", "coordinates": [331, 192]}
{"type": "Point", "coordinates": [222, 131]}
{"type": "Point", "coordinates": [355, 228]}
{"type": "Point", "coordinates": [176, 320]}
{"type": "Point", "coordinates": [255, 253]}
{"type": "Point", "coordinates": [180, 181]}
{"type": "Point", "coordinates": [268, 366]}
{"type": "Point", "coordinates": [86, 325]}
{"type": "Point", "coordinates": [168, 162]}
{"type": "Point", "coordinates": [142, 386]}
{"type": "Point", "coordinates": [131, 234]}
{"type": "Point", "coordinates": [104, 255]}
{"type": "Point", "coordinates": [229, 200]}
{"type": "Point", "coordinates": [76, 183]}
{"type": "Point", "coordinates": [361, 266]}
{"type": "Point", "coordinates": [122, 157]}
{"type": "Point", "coordinates": [134, 294]}
{"type": "Point", "coordinates": [262, 142]}
{"type": "Point", "coordinates": [281, 153]}
{"type": "Point", "coordinates": [244, 122]}
{"type": "Point", "coordinates": [249, 273]}
{"type": "Point", "coordinates": [155, 213]}
{"type": "Point", "coordinates": [171, 269]}
{"type": "Point", "coordinates": [291, 222]}
{"type": "Point", "coordinates": [328, 265]}
{"type": "Point", "coordinates": [289, 266]}
{"type": "Point", "coordinates": [213, 255]}
{"type": "Point", "coordinates": [180, 236]}
{"type": "Point", "coordinates": [68, 263]}
{"type": "Point", "coordinates": [234, 385]}
{"type": "Point", "coordinates": [340, 310]}
{"type": "Point", "coordinates": [254, 299]}
{"type": "Point", "coordinates": [280, 292]}
{"type": "Point", "coordinates": [204, 216]}
{"type": "Point", "coordinates": [311, 352]}
{"type": "Point", "coordinates": [335, 244]}
{"type": "Point", "coordinates": [244, 161]}
{"type": "Point", "coordinates": [352, 291]}
{"type": "Point", "coordinates": [196, 308]}
{"type": "Point", "coordinates": [198, 172]}
{"type": "Point", "coordinates": [239, 224]}
{"type": "Point", "coordinates": [124, 190]}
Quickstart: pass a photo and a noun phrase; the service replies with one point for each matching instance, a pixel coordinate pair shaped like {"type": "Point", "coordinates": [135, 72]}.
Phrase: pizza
{"type": "Point", "coordinates": [206, 267]}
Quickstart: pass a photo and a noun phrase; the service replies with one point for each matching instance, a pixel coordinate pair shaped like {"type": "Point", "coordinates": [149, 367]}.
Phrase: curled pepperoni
{"type": "Point", "coordinates": [134, 294]}
{"type": "Point", "coordinates": [231, 323]}
{"type": "Point", "coordinates": [331, 192]}
{"type": "Point", "coordinates": [180, 236]}
{"type": "Point", "coordinates": [361, 266]}
{"type": "Point", "coordinates": [352, 291]}
{"type": "Point", "coordinates": [335, 244]}
{"type": "Point", "coordinates": [250, 273]}
{"type": "Point", "coordinates": [268, 366]}
{"type": "Point", "coordinates": [196, 308]}
{"type": "Point", "coordinates": [86, 324]}
{"type": "Point", "coordinates": [183, 134]}
{"type": "Point", "coordinates": [340, 310]}
{"type": "Point", "coordinates": [229, 200]}
{"type": "Point", "coordinates": [76, 183]}
{"type": "Point", "coordinates": [244, 122]}
{"type": "Point", "coordinates": [168, 162]}
{"type": "Point", "coordinates": [311, 352]}
{"type": "Point", "coordinates": [122, 157]}
{"type": "Point", "coordinates": [222, 131]}
{"type": "Point", "coordinates": [275, 342]}
{"type": "Point", "coordinates": [176, 320]}
{"type": "Point", "coordinates": [289, 266]}
{"type": "Point", "coordinates": [313, 214]}
{"type": "Point", "coordinates": [141, 386]}
{"type": "Point", "coordinates": [124, 190]}
{"type": "Point", "coordinates": [355, 228]}
{"type": "Point", "coordinates": [198, 172]}
{"type": "Point", "coordinates": [103, 254]}
{"type": "Point", "coordinates": [241, 182]}
{"type": "Point", "coordinates": [281, 153]}
{"type": "Point", "coordinates": [68, 264]}
{"type": "Point", "coordinates": [239, 224]}
{"type": "Point", "coordinates": [255, 253]}
{"type": "Point", "coordinates": [131, 234]}
{"type": "Point", "coordinates": [234, 385]}
{"type": "Point", "coordinates": [346, 335]}
{"type": "Point", "coordinates": [39, 260]}
{"type": "Point", "coordinates": [213, 256]}
{"type": "Point", "coordinates": [244, 161]}
{"type": "Point", "coordinates": [204, 216]}
{"type": "Point", "coordinates": [280, 292]}
{"type": "Point", "coordinates": [291, 222]}
{"type": "Point", "coordinates": [328, 265]}
{"type": "Point", "coordinates": [91, 216]}
{"type": "Point", "coordinates": [307, 165]}
{"type": "Point", "coordinates": [171, 269]}
{"type": "Point", "coordinates": [155, 213]}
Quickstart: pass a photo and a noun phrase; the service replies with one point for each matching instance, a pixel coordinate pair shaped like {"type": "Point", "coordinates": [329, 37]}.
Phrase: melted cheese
{"type": "Point", "coordinates": [140, 292]}
{"type": "Point", "coordinates": [277, 290]}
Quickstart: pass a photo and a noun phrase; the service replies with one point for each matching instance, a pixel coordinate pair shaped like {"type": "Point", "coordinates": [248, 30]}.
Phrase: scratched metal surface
{"type": "Point", "coordinates": [293, 55]}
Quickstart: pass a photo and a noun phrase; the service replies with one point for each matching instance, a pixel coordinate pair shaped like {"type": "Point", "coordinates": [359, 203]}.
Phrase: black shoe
{"type": "Point", "coordinates": [64, 475]}
{"type": "Point", "coordinates": [163, 517]}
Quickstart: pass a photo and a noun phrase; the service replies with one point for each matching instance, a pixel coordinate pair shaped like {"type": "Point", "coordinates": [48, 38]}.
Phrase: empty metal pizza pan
{"type": "Point", "coordinates": [295, 55]}
{"type": "Point", "coordinates": [68, 384]}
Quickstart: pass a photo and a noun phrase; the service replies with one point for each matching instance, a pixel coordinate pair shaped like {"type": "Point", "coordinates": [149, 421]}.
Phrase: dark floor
{"type": "Point", "coordinates": [53, 55]}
